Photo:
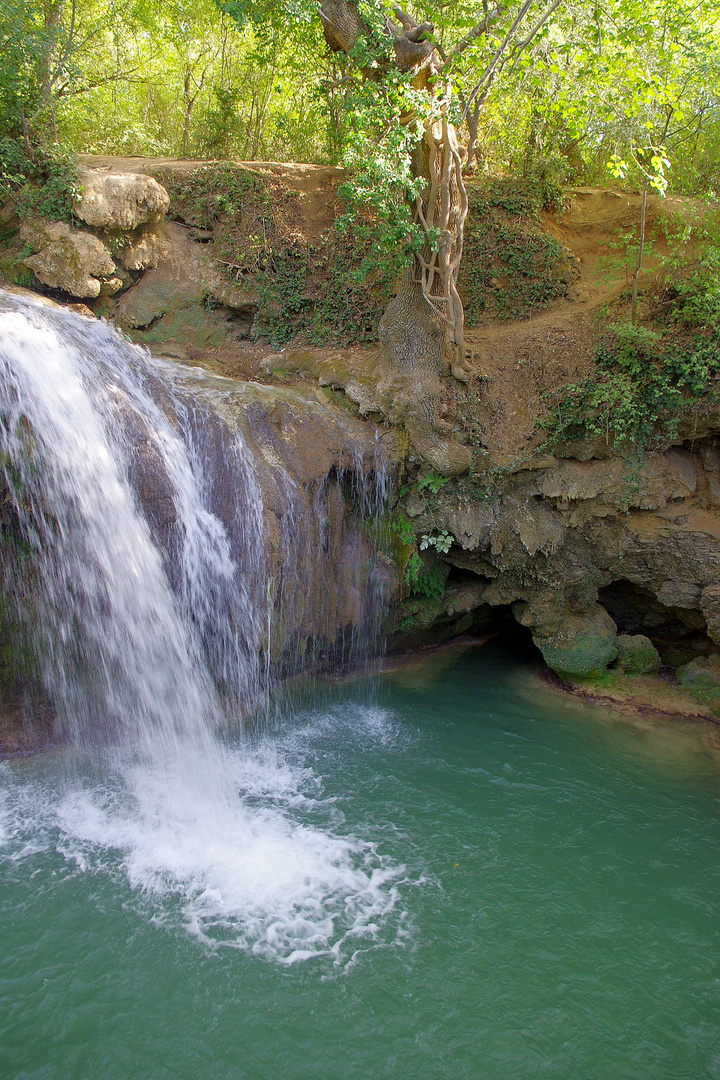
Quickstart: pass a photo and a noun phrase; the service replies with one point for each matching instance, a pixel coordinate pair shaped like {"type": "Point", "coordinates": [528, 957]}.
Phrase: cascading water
{"type": "Point", "coordinates": [150, 616]}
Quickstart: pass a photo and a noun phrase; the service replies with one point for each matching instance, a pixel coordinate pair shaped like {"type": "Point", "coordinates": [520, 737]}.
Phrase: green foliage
{"type": "Point", "coordinates": [325, 296]}
{"type": "Point", "coordinates": [381, 188]}
{"type": "Point", "coordinates": [375, 223]}
{"type": "Point", "coordinates": [697, 295]}
{"type": "Point", "coordinates": [47, 186]}
{"type": "Point", "coordinates": [645, 382]}
{"type": "Point", "coordinates": [442, 542]}
{"type": "Point", "coordinates": [431, 482]}
{"type": "Point", "coordinates": [616, 83]}
{"type": "Point", "coordinates": [420, 581]}
{"type": "Point", "coordinates": [26, 44]}
{"type": "Point", "coordinates": [523, 197]}
{"type": "Point", "coordinates": [334, 292]}
{"type": "Point", "coordinates": [510, 267]}
{"type": "Point", "coordinates": [223, 125]}
{"type": "Point", "coordinates": [624, 247]}
{"type": "Point", "coordinates": [405, 532]}
{"type": "Point", "coordinates": [417, 579]}
{"type": "Point", "coordinates": [225, 191]}
{"type": "Point", "coordinates": [252, 79]}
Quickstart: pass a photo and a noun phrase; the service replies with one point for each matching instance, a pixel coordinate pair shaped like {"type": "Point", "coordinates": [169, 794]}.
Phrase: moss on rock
{"type": "Point", "coordinates": [636, 654]}
{"type": "Point", "coordinates": [583, 645]}
{"type": "Point", "coordinates": [701, 674]}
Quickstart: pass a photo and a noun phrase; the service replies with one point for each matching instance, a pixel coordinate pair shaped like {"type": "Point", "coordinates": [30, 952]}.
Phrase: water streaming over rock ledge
{"type": "Point", "coordinates": [172, 565]}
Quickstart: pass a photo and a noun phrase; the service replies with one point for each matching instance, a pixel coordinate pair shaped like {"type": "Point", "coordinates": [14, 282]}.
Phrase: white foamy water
{"type": "Point", "coordinates": [250, 856]}
{"type": "Point", "coordinates": [237, 844]}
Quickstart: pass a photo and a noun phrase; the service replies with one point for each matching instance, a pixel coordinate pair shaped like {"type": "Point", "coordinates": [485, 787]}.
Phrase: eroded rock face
{"type": "Point", "coordinates": [569, 537]}
{"type": "Point", "coordinates": [181, 296]}
{"type": "Point", "coordinates": [113, 200]}
{"type": "Point", "coordinates": [600, 487]}
{"type": "Point", "coordinates": [173, 286]}
{"type": "Point", "coordinates": [67, 259]}
{"type": "Point", "coordinates": [710, 607]}
{"type": "Point", "coordinates": [316, 464]}
{"type": "Point", "coordinates": [146, 251]}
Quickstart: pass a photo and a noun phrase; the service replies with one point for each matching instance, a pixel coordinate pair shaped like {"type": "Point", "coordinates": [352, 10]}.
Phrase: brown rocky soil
{"type": "Point", "coordinates": [315, 185]}
{"type": "Point", "coordinates": [517, 364]}
{"type": "Point", "coordinates": [519, 361]}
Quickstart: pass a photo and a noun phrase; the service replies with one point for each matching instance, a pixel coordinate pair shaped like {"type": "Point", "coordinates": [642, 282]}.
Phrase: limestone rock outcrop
{"type": "Point", "coordinates": [315, 465]}
{"type": "Point", "coordinates": [607, 561]}
{"type": "Point", "coordinates": [119, 200]}
{"type": "Point", "coordinates": [181, 296]}
{"type": "Point", "coordinates": [146, 251]}
{"type": "Point", "coordinates": [174, 284]}
{"type": "Point", "coordinates": [68, 259]}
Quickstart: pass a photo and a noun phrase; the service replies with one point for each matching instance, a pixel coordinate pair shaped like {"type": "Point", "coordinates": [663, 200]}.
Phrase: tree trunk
{"type": "Point", "coordinates": [641, 248]}
{"type": "Point", "coordinates": [52, 19]}
{"type": "Point", "coordinates": [422, 329]}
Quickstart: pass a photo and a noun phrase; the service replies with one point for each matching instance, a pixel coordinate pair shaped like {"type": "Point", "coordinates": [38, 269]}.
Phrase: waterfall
{"type": "Point", "coordinates": [151, 613]}
{"type": "Point", "coordinates": [120, 651]}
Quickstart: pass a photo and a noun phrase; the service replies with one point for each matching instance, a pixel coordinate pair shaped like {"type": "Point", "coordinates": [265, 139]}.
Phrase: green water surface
{"type": "Point", "coordinates": [552, 877]}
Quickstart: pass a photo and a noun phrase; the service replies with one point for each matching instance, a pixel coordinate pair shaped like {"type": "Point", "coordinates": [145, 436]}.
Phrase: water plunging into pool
{"type": "Point", "coordinates": [149, 627]}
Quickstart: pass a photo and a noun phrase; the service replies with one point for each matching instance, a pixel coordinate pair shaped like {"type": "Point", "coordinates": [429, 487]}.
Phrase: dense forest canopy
{"type": "Point", "coordinates": [618, 88]}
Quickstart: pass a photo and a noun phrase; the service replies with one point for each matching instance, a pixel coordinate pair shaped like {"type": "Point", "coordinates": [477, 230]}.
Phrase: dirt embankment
{"type": "Point", "coordinates": [315, 185]}
{"type": "Point", "coordinates": [184, 297]}
{"type": "Point", "coordinates": [516, 362]}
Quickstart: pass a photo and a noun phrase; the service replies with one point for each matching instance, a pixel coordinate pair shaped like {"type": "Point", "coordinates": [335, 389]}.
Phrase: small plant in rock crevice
{"type": "Point", "coordinates": [423, 582]}
{"type": "Point", "coordinates": [442, 542]}
{"type": "Point", "coordinates": [415, 577]}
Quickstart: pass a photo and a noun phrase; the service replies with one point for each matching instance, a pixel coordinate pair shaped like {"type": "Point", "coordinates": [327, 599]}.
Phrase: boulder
{"type": "Point", "coordinates": [636, 654]}
{"type": "Point", "coordinates": [66, 258]}
{"type": "Point", "coordinates": [580, 645]}
{"type": "Point", "coordinates": [120, 200]}
{"type": "Point", "coordinates": [702, 673]}
{"type": "Point", "coordinates": [710, 607]}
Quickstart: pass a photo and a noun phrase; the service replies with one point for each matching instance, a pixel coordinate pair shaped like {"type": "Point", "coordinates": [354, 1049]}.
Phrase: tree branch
{"type": "Point", "coordinates": [477, 31]}
{"type": "Point", "coordinates": [489, 74]}
{"type": "Point", "coordinates": [521, 46]}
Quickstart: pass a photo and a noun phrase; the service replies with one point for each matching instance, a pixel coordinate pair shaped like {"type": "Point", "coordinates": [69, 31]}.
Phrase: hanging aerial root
{"type": "Point", "coordinates": [442, 216]}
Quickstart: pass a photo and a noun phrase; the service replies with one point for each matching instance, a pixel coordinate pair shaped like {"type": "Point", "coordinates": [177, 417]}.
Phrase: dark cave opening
{"type": "Point", "coordinates": [678, 634]}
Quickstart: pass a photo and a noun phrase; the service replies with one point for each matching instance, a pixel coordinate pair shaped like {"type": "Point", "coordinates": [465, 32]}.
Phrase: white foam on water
{"type": "Point", "coordinates": [357, 725]}
{"type": "Point", "coordinates": [246, 869]}
{"type": "Point", "coordinates": [246, 853]}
